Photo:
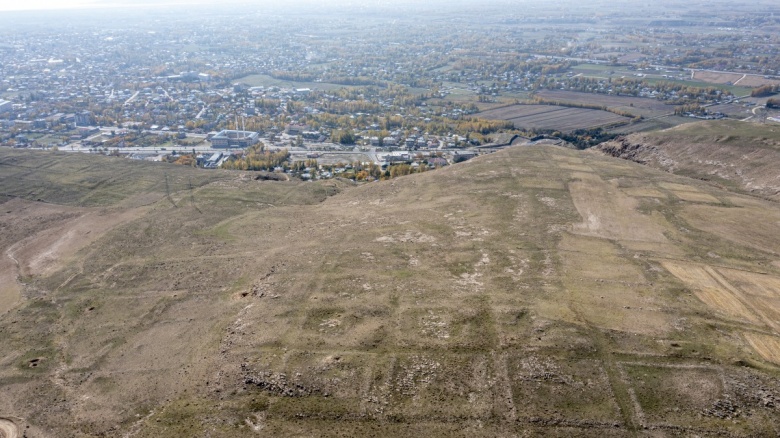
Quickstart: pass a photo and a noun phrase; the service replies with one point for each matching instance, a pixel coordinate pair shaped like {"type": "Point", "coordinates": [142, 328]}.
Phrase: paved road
{"type": "Point", "coordinates": [203, 110]}
{"type": "Point", "coordinates": [757, 108]}
{"type": "Point", "coordinates": [132, 98]}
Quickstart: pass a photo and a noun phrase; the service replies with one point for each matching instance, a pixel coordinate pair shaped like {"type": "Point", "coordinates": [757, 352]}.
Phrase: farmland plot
{"type": "Point", "coordinates": [608, 101]}
{"type": "Point", "coordinates": [717, 77]}
{"type": "Point", "coordinates": [743, 80]}
{"type": "Point", "coordinates": [553, 117]}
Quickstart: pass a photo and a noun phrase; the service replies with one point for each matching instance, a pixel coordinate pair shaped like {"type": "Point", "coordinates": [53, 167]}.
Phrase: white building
{"type": "Point", "coordinates": [234, 139]}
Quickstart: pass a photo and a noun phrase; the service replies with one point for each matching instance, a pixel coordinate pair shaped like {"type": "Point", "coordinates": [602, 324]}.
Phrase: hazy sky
{"type": "Point", "coordinates": [20, 5]}
{"type": "Point", "coordinates": [13, 5]}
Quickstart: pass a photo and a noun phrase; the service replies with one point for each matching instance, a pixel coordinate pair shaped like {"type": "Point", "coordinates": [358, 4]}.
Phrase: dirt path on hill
{"type": "Point", "coordinates": [10, 290]}
{"type": "Point", "coordinates": [47, 250]}
{"type": "Point", "coordinates": [47, 237]}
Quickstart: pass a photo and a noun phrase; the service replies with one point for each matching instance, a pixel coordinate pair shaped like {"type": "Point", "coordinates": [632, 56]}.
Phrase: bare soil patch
{"type": "Point", "coordinates": [47, 250]}
{"type": "Point", "coordinates": [20, 219]}
{"type": "Point", "coordinates": [10, 289]}
{"type": "Point", "coordinates": [606, 100]}
{"type": "Point", "coordinates": [725, 78]}
{"type": "Point", "coordinates": [608, 213]}
{"type": "Point", "coordinates": [757, 81]}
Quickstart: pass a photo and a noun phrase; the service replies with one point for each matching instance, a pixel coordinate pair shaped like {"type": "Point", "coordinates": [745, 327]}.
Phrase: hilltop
{"type": "Point", "coordinates": [736, 155]}
{"type": "Point", "coordinates": [536, 291]}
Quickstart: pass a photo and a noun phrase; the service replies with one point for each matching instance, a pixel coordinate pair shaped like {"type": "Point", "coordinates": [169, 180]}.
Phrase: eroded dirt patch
{"type": "Point", "coordinates": [20, 219]}
{"type": "Point", "coordinates": [740, 154]}
{"type": "Point", "coordinates": [608, 213]}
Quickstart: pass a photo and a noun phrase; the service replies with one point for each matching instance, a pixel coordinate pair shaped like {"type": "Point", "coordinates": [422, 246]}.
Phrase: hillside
{"type": "Point", "coordinates": [739, 156]}
{"type": "Point", "coordinates": [538, 291]}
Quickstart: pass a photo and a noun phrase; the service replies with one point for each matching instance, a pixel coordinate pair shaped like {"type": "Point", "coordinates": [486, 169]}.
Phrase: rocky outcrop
{"type": "Point", "coordinates": [621, 147]}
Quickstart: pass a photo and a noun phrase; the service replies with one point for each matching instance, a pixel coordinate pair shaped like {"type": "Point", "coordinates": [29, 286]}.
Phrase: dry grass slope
{"type": "Point", "coordinates": [538, 291]}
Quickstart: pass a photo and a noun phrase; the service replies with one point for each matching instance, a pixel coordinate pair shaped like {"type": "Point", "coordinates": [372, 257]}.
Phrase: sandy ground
{"type": "Point", "coordinates": [8, 429]}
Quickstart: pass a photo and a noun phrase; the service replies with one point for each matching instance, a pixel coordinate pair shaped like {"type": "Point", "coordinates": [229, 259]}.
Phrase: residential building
{"type": "Point", "coordinates": [83, 118]}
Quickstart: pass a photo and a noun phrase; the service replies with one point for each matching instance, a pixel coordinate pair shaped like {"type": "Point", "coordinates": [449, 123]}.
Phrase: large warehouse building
{"type": "Point", "coordinates": [234, 139]}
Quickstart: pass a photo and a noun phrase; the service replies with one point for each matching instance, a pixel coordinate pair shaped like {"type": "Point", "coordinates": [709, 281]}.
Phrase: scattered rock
{"type": "Point", "coordinates": [278, 383]}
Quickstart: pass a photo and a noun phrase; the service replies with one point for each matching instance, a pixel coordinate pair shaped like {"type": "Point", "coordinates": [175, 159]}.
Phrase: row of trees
{"type": "Point", "coordinates": [765, 90]}
{"type": "Point", "coordinates": [690, 109]}
{"type": "Point", "coordinates": [258, 158]}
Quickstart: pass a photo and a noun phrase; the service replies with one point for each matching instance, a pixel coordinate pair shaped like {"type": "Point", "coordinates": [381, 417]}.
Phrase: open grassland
{"type": "Point", "coordinates": [717, 77]}
{"type": "Point", "coordinates": [74, 179]}
{"type": "Point", "coordinates": [537, 291]}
